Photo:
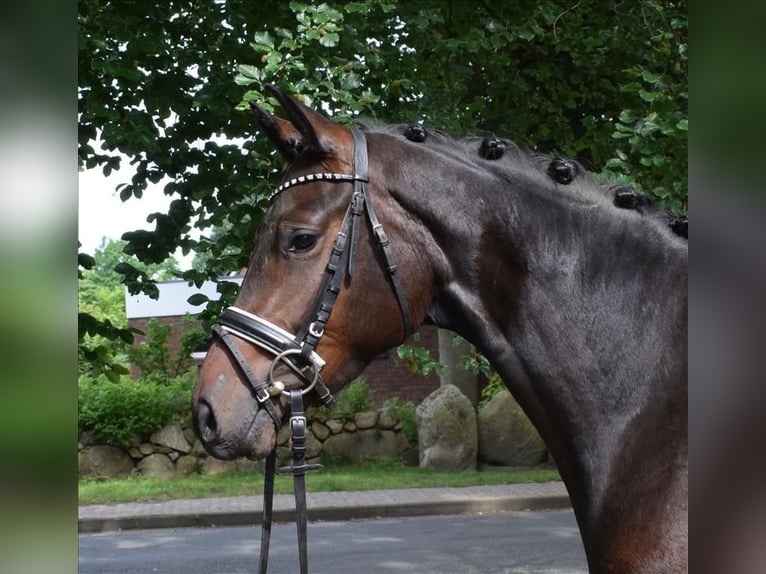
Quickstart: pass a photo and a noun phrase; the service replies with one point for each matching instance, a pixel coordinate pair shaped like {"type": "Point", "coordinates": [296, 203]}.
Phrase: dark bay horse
{"type": "Point", "coordinates": [579, 304]}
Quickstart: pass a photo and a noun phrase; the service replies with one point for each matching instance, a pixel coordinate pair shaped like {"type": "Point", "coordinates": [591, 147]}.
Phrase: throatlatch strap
{"type": "Point", "coordinates": [360, 168]}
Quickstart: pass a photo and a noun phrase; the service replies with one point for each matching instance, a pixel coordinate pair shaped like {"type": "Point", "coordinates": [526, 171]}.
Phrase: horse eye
{"type": "Point", "coordinates": [302, 242]}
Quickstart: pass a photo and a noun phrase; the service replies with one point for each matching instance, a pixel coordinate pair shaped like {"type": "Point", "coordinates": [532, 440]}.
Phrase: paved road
{"type": "Point", "coordinates": [520, 542]}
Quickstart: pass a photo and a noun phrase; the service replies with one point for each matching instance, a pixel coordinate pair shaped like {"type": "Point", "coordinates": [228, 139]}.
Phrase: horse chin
{"type": "Point", "coordinates": [261, 438]}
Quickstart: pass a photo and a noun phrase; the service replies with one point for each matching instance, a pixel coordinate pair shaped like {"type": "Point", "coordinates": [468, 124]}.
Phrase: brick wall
{"type": "Point", "coordinates": [388, 380]}
{"type": "Point", "coordinates": [385, 378]}
{"type": "Point", "coordinates": [176, 323]}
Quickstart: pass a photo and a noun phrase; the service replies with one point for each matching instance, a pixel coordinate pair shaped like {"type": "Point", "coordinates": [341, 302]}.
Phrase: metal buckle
{"type": "Point", "coordinates": [316, 331]}
{"type": "Point", "coordinates": [295, 420]}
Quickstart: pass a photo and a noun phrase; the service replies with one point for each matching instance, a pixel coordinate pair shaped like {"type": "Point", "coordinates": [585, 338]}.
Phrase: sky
{"type": "Point", "coordinates": [101, 212]}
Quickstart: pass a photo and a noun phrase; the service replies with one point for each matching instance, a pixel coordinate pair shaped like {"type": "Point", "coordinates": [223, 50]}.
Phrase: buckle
{"type": "Point", "coordinates": [298, 420]}
{"type": "Point", "coordinates": [316, 331]}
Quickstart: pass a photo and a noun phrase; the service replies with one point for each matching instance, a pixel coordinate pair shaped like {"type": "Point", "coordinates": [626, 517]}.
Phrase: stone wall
{"type": "Point", "coordinates": [451, 436]}
{"type": "Point", "coordinates": [175, 450]}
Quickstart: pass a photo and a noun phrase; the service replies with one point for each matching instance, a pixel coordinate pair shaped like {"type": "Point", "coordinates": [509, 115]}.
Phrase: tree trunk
{"type": "Point", "coordinates": [450, 355]}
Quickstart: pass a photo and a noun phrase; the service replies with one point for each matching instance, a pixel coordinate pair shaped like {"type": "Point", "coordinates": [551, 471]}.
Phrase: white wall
{"type": "Point", "coordinates": [173, 299]}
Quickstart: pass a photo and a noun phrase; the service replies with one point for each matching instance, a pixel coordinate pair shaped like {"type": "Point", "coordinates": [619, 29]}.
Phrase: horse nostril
{"type": "Point", "coordinates": [207, 425]}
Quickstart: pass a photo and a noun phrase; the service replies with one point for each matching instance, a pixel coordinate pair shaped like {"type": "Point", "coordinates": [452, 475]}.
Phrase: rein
{"type": "Point", "coordinates": [297, 351]}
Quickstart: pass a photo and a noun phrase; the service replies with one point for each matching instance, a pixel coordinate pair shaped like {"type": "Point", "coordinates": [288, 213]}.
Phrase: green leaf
{"type": "Point", "coordinates": [647, 96]}
{"type": "Point", "coordinates": [124, 268]}
{"type": "Point", "coordinates": [198, 299]}
{"type": "Point", "coordinates": [526, 32]}
{"type": "Point", "coordinates": [264, 39]}
{"type": "Point", "coordinates": [85, 261]}
{"type": "Point", "coordinates": [628, 116]}
{"type": "Point", "coordinates": [329, 40]}
{"type": "Point", "coordinates": [683, 125]}
{"type": "Point", "coordinates": [249, 71]}
{"type": "Point", "coordinates": [650, 77]}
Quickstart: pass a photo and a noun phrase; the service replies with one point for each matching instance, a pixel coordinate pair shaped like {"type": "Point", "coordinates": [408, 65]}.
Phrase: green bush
{"type": "Point", "coordinates": [405, 412]}
{"type": "Point", "coordinates": [354, 398]}
{"type": "Point", "coordinates": [115, 411]}
{"type": "Point", "coordinates": [153, 356]}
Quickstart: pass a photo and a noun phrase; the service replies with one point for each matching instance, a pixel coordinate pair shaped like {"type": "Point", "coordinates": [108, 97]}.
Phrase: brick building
{"type": "Point", "coordinates": [383, 375]}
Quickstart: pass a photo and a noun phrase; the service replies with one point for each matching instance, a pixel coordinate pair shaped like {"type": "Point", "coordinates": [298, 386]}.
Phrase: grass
{"type": "Point", "coordinates": [334, 478]}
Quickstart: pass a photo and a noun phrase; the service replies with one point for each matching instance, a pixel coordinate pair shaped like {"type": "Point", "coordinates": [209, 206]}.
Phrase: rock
{"type": "Point", "coordinates": [335, 426]}
{"type": "Point", "coordinates": [349, 427]}
{"type": "Point", "coordinates": [186, 465]}
{"type": "Point", "coordinates": [410, 457]}
{"type": "Point", "coordinates": [320, 430]}
{"type": "Point", "coordinates": [313, 446]}
{"type": "Point", "coordinates": [198, 449]}
{"type": "Point", "coordinates": [284, 456]}
{"type": "Point", "coordinates": [146, 448]}
{"type": "Point", "coordinates": [244, 464]}
{"type": "Point", "coordinates": [387, 418]}
{"type": "Point", "coordinates": [86, 438]}
{"type": "Point", "coordinates": [157, 465]}
{"type": "Point", "coordinates": [447, 433]}
{"type": "Point", "coordinates": [215, 466]}
{"type": "Point", "coordinates": [364, 445]}
{"type": "Point", "coordinates": [189, 435]}
{"type": "Point", "coordinates": [171, 436]}
{"type": "Point", "coordinates": [283, 436]}
{"type": "Point", "coordinates": [103, 461]}
{"type": "Point", "coordinates": [366, 419]}
{"type": "Point", "coordinates": [506, 436]}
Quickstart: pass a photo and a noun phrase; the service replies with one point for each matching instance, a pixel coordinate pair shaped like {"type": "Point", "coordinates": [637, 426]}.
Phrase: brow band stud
{"type": "Point", "coordinates": [336, 177]}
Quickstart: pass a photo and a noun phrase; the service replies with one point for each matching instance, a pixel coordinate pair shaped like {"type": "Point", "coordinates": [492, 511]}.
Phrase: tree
{"type": "Point", "coordinates": [167, 85]}
{"type": "Point", "coordinates": [105, 335]}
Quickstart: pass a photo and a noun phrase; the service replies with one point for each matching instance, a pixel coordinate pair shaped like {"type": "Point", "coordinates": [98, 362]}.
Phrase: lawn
{"type": "Point", "coordinates": [334, 478]}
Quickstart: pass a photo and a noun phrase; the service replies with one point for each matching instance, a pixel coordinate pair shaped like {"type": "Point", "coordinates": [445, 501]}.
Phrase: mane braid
{"type": "Point", "coordinates": [514, 158]}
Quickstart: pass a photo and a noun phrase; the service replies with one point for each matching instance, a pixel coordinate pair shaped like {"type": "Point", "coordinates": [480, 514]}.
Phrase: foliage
{"type": "Point", "coordinates": [165, 85]}
{"type": "Point", "coordinates": [475, 362]}
{"type": "Point", "coordinates": [353, 398]}
{"type": "Point", "coordinates": [104, 336]}
{"type": "Point", "coordinates": [153, 355]}
{"type": "Point", "coordinates": [494, 385]}
{"type": "Point", "coordinates": [418, 359]}
{"type": "Point", "coordinates": [652, 132]}
{"type": "Point", "coordinates": [116, 411]}
{"type": "Point", "coordinates": [405, 412]}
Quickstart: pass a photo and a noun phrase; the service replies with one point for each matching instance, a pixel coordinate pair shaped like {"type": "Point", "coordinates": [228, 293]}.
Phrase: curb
{"type": "Point", "coordinates": [89, 525]}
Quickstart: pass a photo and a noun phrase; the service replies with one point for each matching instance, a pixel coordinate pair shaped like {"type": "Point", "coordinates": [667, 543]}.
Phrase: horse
{"type": "Point", "coordinates": [576, 294]}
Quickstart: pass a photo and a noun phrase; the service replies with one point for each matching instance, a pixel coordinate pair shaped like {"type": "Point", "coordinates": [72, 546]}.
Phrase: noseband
{"type": "Point", "coordinates": [298, 351]}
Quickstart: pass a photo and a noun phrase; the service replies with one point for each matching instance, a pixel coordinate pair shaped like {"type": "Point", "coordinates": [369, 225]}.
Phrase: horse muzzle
{"type": "Point", "coordinates": [231, 423]}
{"type": "Point", "coordinates": [240, 397]}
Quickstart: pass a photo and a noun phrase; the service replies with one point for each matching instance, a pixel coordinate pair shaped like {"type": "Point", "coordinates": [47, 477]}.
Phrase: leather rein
{"type": "Point", "coordinates": [297, 351]}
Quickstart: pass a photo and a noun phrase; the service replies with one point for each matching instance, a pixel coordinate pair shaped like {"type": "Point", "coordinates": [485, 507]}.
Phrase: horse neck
{"type": "Point", "coordinates": [575, 303]}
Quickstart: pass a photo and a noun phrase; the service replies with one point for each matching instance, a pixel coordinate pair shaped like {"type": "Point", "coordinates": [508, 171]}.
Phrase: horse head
{"type": "Point", "coordinates": [321, 296]}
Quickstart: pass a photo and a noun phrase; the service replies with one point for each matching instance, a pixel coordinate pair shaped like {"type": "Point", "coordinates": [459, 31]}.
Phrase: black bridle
{"type": "Point", "coordinates": [298, 352]}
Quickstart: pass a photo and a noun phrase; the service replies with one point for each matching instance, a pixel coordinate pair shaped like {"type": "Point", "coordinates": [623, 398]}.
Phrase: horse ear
{"type": "Point", "coordinates": [307, 128]}
{"type": "Point", "coordinates": [283, 134]}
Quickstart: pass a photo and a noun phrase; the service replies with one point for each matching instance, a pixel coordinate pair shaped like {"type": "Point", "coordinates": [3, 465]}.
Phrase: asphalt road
{"type": "Point", "coordinates": [520, 542]}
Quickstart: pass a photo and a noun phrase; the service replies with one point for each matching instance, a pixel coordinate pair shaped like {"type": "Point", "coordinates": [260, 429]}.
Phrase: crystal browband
{"type": "Point", "coordinates": [314, 177]}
